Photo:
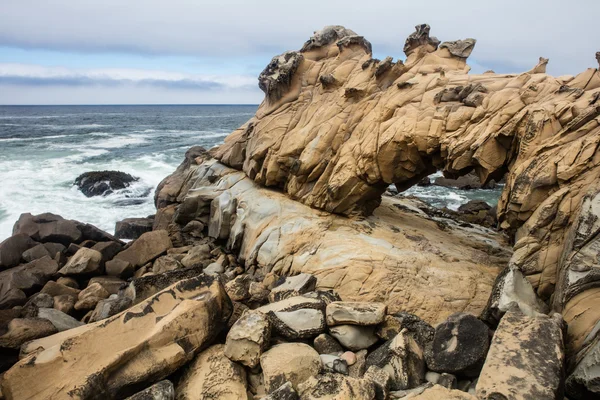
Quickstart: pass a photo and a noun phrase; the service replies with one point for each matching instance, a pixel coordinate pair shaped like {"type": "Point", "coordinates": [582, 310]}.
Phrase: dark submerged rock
{"type": "Point", "coordinates": [102, 183]}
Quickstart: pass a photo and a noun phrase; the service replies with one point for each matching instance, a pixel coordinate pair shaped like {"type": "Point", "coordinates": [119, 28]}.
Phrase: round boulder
{"type": "Point", "coordinates": [460, 345]}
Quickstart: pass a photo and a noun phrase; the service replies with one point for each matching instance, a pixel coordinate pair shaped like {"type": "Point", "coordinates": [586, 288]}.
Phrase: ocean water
{"type": "Point", "coordinates": [44, 148]}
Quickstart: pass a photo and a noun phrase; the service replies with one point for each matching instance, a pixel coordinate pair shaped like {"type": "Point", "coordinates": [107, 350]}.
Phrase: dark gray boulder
{"type": "Point", "coordinates": [460, 345]}
{"type": "Point", "coordinates": [133, 228]}
{"type": "Point", "coordinates": [102, 183]}
{"type": "Point", "coordinates": [12, 248]}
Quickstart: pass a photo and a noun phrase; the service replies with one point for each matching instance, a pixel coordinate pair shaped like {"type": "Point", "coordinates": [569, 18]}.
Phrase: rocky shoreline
{"type": "Point", "coordinates": [274, 269]}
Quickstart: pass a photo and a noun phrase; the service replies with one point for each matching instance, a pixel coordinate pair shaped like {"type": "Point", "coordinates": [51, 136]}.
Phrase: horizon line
{"type": "Point", "coordinates": [130, 104]}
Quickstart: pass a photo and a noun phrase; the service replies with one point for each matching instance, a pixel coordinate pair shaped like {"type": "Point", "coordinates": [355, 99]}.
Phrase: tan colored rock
{"type": "Point", "coordinates": [146, 342]}
{"type": "Point", "coordinates": [84, 262]}
{"type": "Point", "coordinates": [146, 248]}
{"type": "Point", "coordinates": [336, 387]}
{"type": "Point", "coordinates": [438, 392]}
{"type": "Point", "coordinates": [65, 303]}
{"type": "Point", "coordinates": [293, 362]}
{"type": "Point", "coordinates": [337, 127]}
{"type": "Point", "coordinates": [355, 313]}
{"type": "Point", "coordinates": [211, 375]}
{"type": "Point", "coordinates": [90, 296]}
{"type": "Point", "coordinates": [21, 330]}
{"type": "Point", "coordinates": [525, 359]}
{"type": "Point", "coordinates": [367, 260]}
{"type": "Point", "coordinates": [248, 338]}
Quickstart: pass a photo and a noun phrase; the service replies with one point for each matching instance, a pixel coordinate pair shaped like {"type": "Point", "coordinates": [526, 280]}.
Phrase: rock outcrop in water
{"type": "Point", "coordinates": [322, 288]}
{"type": "Point", "coordinates": [102, 183]}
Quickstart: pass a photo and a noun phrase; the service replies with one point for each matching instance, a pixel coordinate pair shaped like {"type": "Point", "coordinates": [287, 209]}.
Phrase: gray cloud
{"type": "Point", "coordinates": [510, 33]}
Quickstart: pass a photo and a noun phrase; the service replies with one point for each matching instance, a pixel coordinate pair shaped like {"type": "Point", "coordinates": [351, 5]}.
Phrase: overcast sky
{"type": "Point", "coordinates": [200, 52]}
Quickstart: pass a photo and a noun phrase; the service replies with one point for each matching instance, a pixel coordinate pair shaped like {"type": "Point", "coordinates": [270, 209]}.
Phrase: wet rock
{"type": "Point", "coordinates": [211, 375]}
{"type": "Point", "coordinates": [109, 307]}
{"type": "Point", "coordinates": [293, 362]}
{"type": "Point", "coordinates": [402, 359]}
{"type": "Point", "coordinates": [525, 359]}
{"type": "Point", "coordinates": [21, 330]}
{"type": "Point", "coordinates": [325, 344]}
{"type": "Point", "coordinates": [283, 392]}
{"type": "Point", "coordinates": [84, 262]}
{"type": "Point", "coordinates": [333, 363]}
{"type": "Point", "coordinates": [59, 319]}
{"type": "Point", "coordinates": [146, 248]}
{"type": "Point", "coordinates": [150, 341]}
{"type": "Point", "coordinates": [102, 183]}
{"type": "Point", "coordinates": [162, 390]}
{"type": "Point", "coordinates": [336, 386]}
{"type": "Point", "coordinates": [293, 286]}
{"type": "Point", "coordinates": [381, 380]}
{"type": "Point", "coordinates": [248, 338]}
{"type": "Point", "coordinates": [354, 337]}
{"type": "Point", "coordinates": [36, 252]}
{"type": "Point", "coordinates": [120, 268]}
{"type": "Point", "coordinates": [355, 313]}
{"type": "Point", "coordinates": [465, 182]}
{"type": "Point", "coordinates": [12, 248]}
{"type": "Point", "coordinates": [296, 317]}
{"type": "Point", "coordinates": [459, 346]}
{"type": "Point", "coordinates": [133, 228]}
{"type": "Point", "coordinates": [512, 288]}
{"type": "Point", "coordinates": [17, 282]}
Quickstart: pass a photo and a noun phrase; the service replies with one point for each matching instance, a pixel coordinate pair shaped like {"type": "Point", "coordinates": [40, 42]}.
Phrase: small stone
{"type": "Point", "coordinates": [382, 381]}
{"type": "Point", "coordinates": [65, 303]}
{"type": "Point", "coordinates": [336, 386]}
{"type": "Point", "coordinates": [293, 362]}
{"type": "Point", "coordinates": [59, 319]}
{"type": "Point", "coordinates": [355, 313]}
{"type": "Point", "coordinates": [350, 357]}
{"type": "Point", "coordinates": [447, 380]}
{"type": "Point", "coordinates": [111, 284]}
{"type": "Point", "coordinates": [358, 369]}
{"type": "Point", "coordinates": [292, 286]}
{"type": "Point", "coordinates": [133, 228]}
{"type": "Point", "coordinates": [248, 338]}
{"type": "Point", "coordinates": [165, 263]}
{"type": "Point", "coordinates": [238, 288]}
{"type": "Point", "coordinates": [402, 359]}
{"type": "Point", "coordinates": [354, 337]}
{"type": "Point", "coordinates": [146, 248]}
{"type": "Point", "coordinates": [90, 296]}
{"type": "Point", "coordinates": [198, 256]}
{"type": "Point", "coordinates": [109, 307]}
{"type": "Point", "coordinates": [107, 249]}
{"type": "Point", "coordinates": [432, 377]}
{"type": "Point", "coordinates": [68, 281]}
{"type": "Point", "coordinates": [162, 390]}
{"type": "Point", "coordinates": [35, 302]}
{"type": "Point", "coordinates": [214, 269]}
{"type": "Point", "coordinates": [334, 364]}
{"type": "Point", "coordinates": [325, 344]}
{"type": "Point", "coordinates": [296, 317]}
{"type": "Point", "coordinates": [84, 262]}
{"type": "Point", "coordinates": [283, 392]}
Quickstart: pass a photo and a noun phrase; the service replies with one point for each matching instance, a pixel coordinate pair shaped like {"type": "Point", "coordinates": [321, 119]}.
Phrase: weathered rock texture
{"type": "Point", "coordinates": [399, 256]}
{"type": "Point", "coordinates": [147, 343]}
{"type": "Point", "coordinates": [337, 127]}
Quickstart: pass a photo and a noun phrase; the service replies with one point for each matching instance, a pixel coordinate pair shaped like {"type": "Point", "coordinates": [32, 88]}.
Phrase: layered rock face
{"type": "Point", "coordinates": [416, 263]}
{"type": "Point", "coordinates": [337, 127]}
